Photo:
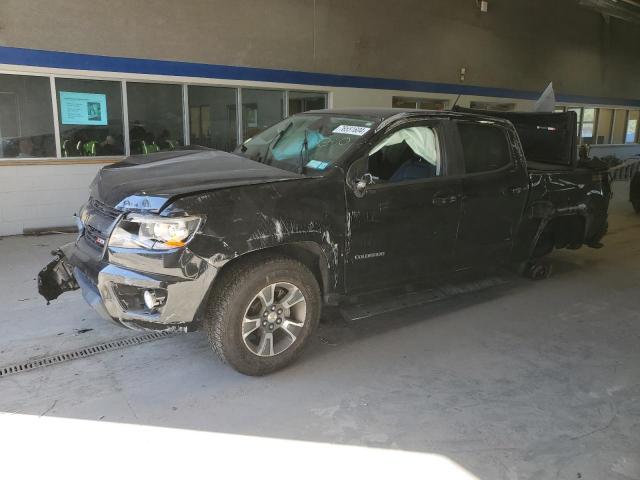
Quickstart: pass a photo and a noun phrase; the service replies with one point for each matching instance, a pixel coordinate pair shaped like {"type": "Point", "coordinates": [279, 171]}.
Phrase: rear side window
{"type": "Point", "coordinates": [484, 146]}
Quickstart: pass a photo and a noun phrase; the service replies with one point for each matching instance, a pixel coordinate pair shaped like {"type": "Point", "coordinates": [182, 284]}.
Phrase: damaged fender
{"type": "Point", "coordinates": [281, 215]}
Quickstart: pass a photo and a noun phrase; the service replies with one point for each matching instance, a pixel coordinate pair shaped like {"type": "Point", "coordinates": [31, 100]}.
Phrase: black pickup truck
{"type": "Point", "coordinates": [318, 208]}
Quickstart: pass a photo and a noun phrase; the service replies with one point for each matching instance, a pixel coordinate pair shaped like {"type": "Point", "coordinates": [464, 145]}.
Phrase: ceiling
{"type": "Point", "coordinates": [628, 10]}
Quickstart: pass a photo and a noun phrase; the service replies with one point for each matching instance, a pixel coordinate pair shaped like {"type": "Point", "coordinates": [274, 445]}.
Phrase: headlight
{"type": "Point", "coordinates": [154, 232]}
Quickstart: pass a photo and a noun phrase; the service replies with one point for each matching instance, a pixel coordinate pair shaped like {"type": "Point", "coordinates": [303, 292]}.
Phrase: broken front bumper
{"type": "Point", "coordinates": [114, 281]}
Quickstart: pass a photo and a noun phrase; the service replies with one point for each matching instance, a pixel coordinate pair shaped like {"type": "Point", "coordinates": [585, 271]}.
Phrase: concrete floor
{"type": "Point", "coordinates": [526, 380]}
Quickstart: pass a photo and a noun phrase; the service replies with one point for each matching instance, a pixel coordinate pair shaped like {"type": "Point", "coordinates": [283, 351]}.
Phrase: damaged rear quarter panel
{"type": "Point", "coordinates": [579, 193]}
{"type": "Point", "coordinates": [251, 218]}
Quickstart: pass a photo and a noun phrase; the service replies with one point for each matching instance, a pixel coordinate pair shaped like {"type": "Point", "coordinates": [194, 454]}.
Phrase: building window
{"type": "Point", "coordinates": [631, 132]}
{"type": "Point", "coordinates": [493, 106]}
{"type": "Point", "coordinates": [260, 109]}
{"type": "Point", "coordinates": [605, 121]}
{"type": "Point", "coordinates": [26, 117]}
{"type": "Point", "coordinates": [212, 117]}
{"type": "Point", "coordinates": [304, 101]}
{"type": "Point", "coordinates": [155, 117]}
{"type": "Point", "coordinates": [588, 126]}
{"type": "Point", "coordinates": [578, 112]}
{"type": "Point", "coordinates": [90, 117]}
{"type": "Point", "coordinates": [421, 103]}
{"type": "Point", "coordinates": [619, 124]}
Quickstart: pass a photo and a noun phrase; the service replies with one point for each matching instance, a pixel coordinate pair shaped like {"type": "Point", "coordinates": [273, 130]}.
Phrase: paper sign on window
{"type": "Point", "coordinates": [351, 130]}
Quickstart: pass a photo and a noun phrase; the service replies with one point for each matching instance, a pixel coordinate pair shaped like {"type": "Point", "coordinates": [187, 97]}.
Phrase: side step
{"type": "Point", "coordinates": [370, 307]}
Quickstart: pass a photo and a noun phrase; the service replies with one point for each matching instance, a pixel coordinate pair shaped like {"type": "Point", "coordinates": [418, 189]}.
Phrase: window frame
{"type": "Point", "coordinates": [636, 133]}
{"type": "Point", "coordinates": [287, 95]}
{"type": "Point", "coordinates": [440, 126]}
{"type": "Point", "coordinates": [123, 80]}
{"type": "Point", "coordinates": [511, 165]}
{"type": "Point", "coordinates": [417, 101]}
{"type": "Point", "coordinates": [240, 108]}
{"type": "Point", "coordinates": [594, 122]}
{"type": "Point", "coordinates": [124, 119]}
{"type": "Point", "coordinates": [54, 119]}
{"type": "Point", "coordinates": [184, 110]}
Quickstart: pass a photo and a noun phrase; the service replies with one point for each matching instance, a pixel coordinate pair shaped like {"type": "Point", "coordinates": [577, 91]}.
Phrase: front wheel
{"type": "Point", "coordinates": [262, 315]}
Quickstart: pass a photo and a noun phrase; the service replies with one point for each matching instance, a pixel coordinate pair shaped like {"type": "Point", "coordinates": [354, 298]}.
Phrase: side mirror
{"type": "Point", "coordinates": [362, 183]}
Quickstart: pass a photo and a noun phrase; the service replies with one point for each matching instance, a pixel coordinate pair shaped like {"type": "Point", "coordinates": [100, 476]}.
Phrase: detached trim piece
{"type": "Point", "coordinates": [34, 363]}
{"type": "Point", "coordinates": [103, 63]}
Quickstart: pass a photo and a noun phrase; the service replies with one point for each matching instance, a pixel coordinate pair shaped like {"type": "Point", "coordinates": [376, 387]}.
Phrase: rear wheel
{"type": "Point", "coordinates": [262, 315]}
{"type": "Point", "coordinates": [537, 269]}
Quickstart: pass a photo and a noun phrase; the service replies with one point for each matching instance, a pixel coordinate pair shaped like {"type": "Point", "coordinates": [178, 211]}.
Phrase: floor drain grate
{"type": "Point", "coordinates": [41, 362]}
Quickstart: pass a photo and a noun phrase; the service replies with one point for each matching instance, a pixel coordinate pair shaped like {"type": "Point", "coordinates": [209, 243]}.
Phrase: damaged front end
{"type": "Point", "coordinates": [56, 278]}
{"type": "Point", "coordinates": [129, 277]}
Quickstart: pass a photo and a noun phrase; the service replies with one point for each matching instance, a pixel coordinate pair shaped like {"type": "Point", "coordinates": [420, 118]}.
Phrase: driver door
{"type": "Point", "coordinates": [402, 227]}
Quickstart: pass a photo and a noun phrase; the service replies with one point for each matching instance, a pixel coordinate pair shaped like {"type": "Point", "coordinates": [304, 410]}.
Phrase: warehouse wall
{"type": "Point", "coordinates": [519, 44]}
{"type": "Point", "coordinates": [42, 196]}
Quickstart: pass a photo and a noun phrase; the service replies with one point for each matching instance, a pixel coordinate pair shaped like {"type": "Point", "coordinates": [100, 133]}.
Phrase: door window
{"type": "Point", "coordinates": [484, 146]}
{"type": "Point", "coordinates": [410, 153]}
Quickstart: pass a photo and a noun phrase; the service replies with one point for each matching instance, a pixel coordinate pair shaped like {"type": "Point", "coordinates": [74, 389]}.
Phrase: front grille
{"type": "Point", "coordinates": [106, 210]}
{"type": "Point", "coordinates": [94, 236]}
{"type": "Point", "coordinates": [98, 221]}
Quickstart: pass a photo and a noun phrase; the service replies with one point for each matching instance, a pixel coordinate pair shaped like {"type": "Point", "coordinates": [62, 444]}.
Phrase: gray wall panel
{"type": "Point", "coordinates": [519, 44]}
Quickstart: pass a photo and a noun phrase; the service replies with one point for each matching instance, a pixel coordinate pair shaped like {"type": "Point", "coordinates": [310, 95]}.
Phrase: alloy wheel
{"type": "Point", "coordinates": [274, 319]}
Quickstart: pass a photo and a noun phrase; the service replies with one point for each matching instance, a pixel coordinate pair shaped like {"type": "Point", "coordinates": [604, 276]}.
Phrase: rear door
{"type": "Point", "coordinates": [494, 192]}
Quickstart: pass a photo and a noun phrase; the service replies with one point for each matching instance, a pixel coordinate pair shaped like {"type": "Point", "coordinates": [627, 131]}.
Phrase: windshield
{"type": "Point", "coordinates": [307, 144]}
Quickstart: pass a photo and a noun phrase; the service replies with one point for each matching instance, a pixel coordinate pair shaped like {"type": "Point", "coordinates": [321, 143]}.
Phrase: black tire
{"type": "Point", "coordinates": [229, 301]}
{"type": "Point", "coordinates": [538, 269]}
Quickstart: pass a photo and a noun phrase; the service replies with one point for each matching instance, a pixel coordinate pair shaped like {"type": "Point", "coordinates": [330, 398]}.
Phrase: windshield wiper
{"type": "Point", "coordinates": [304, 153]}
{"type": "Point", "coordinates": [274, 141]}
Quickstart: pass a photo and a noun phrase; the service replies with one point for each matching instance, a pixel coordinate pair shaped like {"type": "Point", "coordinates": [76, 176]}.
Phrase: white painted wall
{"type": "Point", "coordinates": [37, 196]}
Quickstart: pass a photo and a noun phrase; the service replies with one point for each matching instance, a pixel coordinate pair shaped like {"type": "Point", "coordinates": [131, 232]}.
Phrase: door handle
{"type": "Point", "coordinates": [442, 200]}
{"type": "Point", "coordinates": [514, 190]}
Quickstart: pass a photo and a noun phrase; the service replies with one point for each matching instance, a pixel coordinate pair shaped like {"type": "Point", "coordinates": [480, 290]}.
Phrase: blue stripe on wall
{"type": "Point", "coordinates": [81, 61]}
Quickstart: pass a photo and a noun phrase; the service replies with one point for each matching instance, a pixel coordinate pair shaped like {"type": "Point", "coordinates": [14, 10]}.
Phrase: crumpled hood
{"type": "Point", "coordinates": [167, 174]}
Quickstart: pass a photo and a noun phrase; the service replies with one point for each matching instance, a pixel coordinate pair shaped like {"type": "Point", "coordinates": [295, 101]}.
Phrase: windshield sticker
{"type": "Point", "coordinates": [317, 165]}
{"type": "Point", "coordinates": [351, 130]}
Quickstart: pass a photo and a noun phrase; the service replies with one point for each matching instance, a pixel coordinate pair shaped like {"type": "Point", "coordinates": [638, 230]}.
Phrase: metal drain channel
{"type": "Point", "coordinates": [32, 364]}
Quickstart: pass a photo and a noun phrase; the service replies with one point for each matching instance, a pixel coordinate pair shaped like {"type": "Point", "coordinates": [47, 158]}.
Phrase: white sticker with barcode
{"type": "Point", "coordinates": [351, 130]}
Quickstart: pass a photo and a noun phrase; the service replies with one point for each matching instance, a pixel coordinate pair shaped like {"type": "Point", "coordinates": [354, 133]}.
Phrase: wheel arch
{"type": "Point", "coordinates": [559, 231]}
{"type": "Point", "coordinates": [308, 253]}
